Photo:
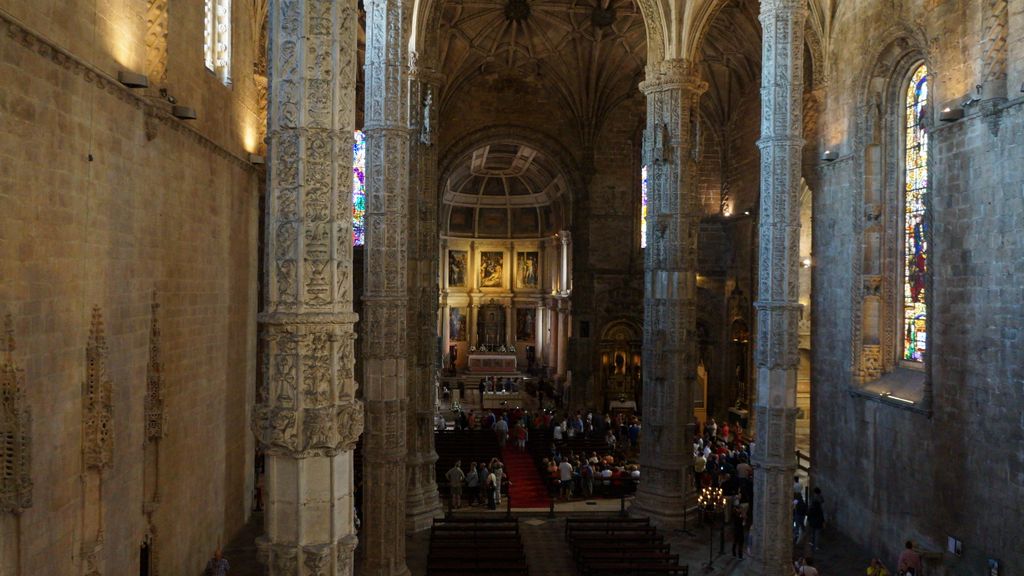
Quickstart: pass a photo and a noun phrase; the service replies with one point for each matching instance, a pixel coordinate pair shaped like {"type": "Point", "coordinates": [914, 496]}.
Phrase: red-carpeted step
{"type": "Point", "coordinates": [528, 489]}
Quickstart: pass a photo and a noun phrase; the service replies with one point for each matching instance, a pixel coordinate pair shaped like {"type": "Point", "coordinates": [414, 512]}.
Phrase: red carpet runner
{"type": "Point", "coordinates": [527, 489]}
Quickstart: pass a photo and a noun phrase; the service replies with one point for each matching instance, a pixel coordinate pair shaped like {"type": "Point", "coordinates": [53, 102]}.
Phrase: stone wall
{"type": "Point", "coordinates": [952, 464]}
{"type": "Point", "coordinates": [105, 200]}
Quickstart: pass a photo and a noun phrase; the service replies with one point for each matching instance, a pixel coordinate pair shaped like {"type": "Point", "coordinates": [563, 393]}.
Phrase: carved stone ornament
{"type": "Point", "coordinates": [661, 149]}
{"type": "Point", "coordinates": [154, 403]}
{"type": "Point", "coordinates": [317, 559]}
{"type": "Point", "coordinates": [350, 424]}
{"type": "Point", "coordinates": [427, 132]}
{"type": "Point", "coordinates": [15, 431]}
{"type": "Point", "coordinates": [97, 400]}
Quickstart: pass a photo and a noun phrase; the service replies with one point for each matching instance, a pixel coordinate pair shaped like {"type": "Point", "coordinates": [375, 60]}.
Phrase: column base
{"type": "Point", "coordinates": [421, 508]}
{"type": "Point", "coordinates": [665, 512]}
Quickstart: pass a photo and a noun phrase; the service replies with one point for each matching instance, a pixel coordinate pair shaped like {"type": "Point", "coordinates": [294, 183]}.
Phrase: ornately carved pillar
{"type": "Point", "coordinates": [778, 308]}
{"type": "Point", "coordinates": [562, 358]}
{"type": "Point", "coordinates": [385, 289]}
{"type": "Point", "coordinates": [673, 89]}
{"type": "Point", "coordinates": [307, 418]}
{"type": "Point", "coordinates": [422, 501]}
{"type": "Point", "coordinates": [15, 453]}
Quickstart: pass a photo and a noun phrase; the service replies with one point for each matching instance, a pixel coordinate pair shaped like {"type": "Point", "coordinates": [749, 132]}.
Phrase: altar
{"type": "Point", "coordinates": [492, 363]}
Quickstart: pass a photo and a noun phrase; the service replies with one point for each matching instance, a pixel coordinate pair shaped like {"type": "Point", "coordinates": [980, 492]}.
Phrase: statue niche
{"type": "Point", "coordinates": [619, 373]}
{"type": "Point", "coordinates": [490, 325]}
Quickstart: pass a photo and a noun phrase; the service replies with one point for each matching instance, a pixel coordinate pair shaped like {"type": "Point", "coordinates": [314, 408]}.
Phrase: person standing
{"type": "Point", "coordinates": [909, 561]}
{"type": "Point", "coordinates": [473, 484]}
{"type": "Point", "coordinates": [877, 568]}
{"type": "Point", "coordinates": [456, 477]}
{"type": "Point", "coordinates": [565, 475]}
{"type": "Point", "coordinates": [799, 517]}
{"type": "Point", "coordinates": [491, 486]}
{"type": "Point", "coordinates": [481, 388]}
{"type": "Point", "coordinates": [816, 517]}
{"type": "Point", "coordinates": [482, 473]}
{"type": "Point", "coordinates": [700, 464]}
{"type": "Point", "coordinates": [218, 565]}
{"type": "Point", "coordinates": [501, 430]}
{"type": "Point", "coordinates": [739, 520]}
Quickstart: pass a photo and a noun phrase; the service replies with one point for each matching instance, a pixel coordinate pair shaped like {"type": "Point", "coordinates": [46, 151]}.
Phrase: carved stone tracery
{"type": "Point", "coordinates": [154, 402]}
{"type": "Point", "coordinates": [15, 431]}
{"type": "Point", "coordinates": [97, 400]}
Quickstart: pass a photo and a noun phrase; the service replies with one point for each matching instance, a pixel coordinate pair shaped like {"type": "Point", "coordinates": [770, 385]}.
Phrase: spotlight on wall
{"type": "Point", "coordinates": [951, 114]}
{"type": "Point", "coordinates": [805, 263]}
{"type": "Point", "coordinates": [183, 112]}
{"type": "Point", "coordinates": [746, 212]}
{"type": "Point", "coordinates": [256, 159]}
{"type": "Point", "coordinates": [132, 79]}
{"type": "Point", "coordinates": [828, 156]}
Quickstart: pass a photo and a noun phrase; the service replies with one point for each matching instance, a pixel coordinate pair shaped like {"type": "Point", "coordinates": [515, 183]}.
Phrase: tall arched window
{"type": "Point", "coordinates": [217, 38]}
{"type": "Point", "coordinates": [359, 189]}
{"type": "Point", "coordinates": [643, 207]}
{"type": "Point", "coordinates": [915, 227]}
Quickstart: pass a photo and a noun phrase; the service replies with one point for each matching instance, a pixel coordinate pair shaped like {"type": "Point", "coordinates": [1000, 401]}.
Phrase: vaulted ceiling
{"type": "Point", "coordinates": [730, 57]}
{"type": "Point", "coordinates": [592, 51]}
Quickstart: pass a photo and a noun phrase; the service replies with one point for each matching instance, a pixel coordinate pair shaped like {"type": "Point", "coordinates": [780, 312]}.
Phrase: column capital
{"type": "Point", "coordinates": [794, 7]}
{"type": "Point", "coordinates": [671, 74]}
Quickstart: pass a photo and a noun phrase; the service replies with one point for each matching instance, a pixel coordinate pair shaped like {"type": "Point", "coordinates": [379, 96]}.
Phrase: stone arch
{"type": "Point", "coordinates": [426, 25]}
{"type": "Point", "coordinates": [877, 172]}
{"type": "Point", "coordinates": [559, 154]}
{"type": "Point", "coordinates": [704, 14]}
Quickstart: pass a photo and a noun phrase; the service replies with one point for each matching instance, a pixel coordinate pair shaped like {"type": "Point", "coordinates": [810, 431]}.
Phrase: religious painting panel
{"type": "Point", "coordinates": [491, 269]}
{"type": "Point", "coordinates": [457, 263]}
{"type": "Point", "coordinates": [528, 264]}
{"type": "Point", "coordinates": [457, 325]}
{"type": "Point", "coordinates": [525, 324]}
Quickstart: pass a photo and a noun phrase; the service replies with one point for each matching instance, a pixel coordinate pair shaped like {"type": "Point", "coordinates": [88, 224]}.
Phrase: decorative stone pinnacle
{"type": "Point", "coordinates": [9, 345]}
{"type": "Point", "coordinates": [96, 332]}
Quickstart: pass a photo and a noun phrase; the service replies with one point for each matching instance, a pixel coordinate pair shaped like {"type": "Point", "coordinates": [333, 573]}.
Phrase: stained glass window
{"type": "Point", "coordinates": [359, 189]}
{"type": "Point", "coordinates": [643, 207]}
{"type": "Point", "coordinates": [915, 234]}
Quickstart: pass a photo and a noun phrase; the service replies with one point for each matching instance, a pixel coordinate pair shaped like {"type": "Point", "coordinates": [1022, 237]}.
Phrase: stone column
{"type": "Point", "coordinates": [551, 320]}
{"type": "Point", "coordinates": [306, 417]}
{"type": "Point", "coordinates": [778, 308]}
{"type": "Point", "coordinates": [565, 246]}
{"type": "Point", "coordinates": [673, 89]}
{"type": "Point", "coordinates": [539, 338]}
{"type": "Point", "coordinates": [562, 358]}
{"type": "Point", "coordinates": [422, 501]}
{"type": "Point", "coordinates": [385, 292]}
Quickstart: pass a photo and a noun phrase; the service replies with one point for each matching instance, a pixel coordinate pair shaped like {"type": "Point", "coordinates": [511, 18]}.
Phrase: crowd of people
{"type": "Point", "coordinates": [483, 483]}
{"type": "Point", "coordinates": [721, 459]}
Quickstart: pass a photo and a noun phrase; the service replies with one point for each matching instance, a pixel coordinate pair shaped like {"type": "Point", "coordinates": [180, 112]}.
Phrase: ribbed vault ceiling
{"type": "Point", "coordinates": [593, 51]}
